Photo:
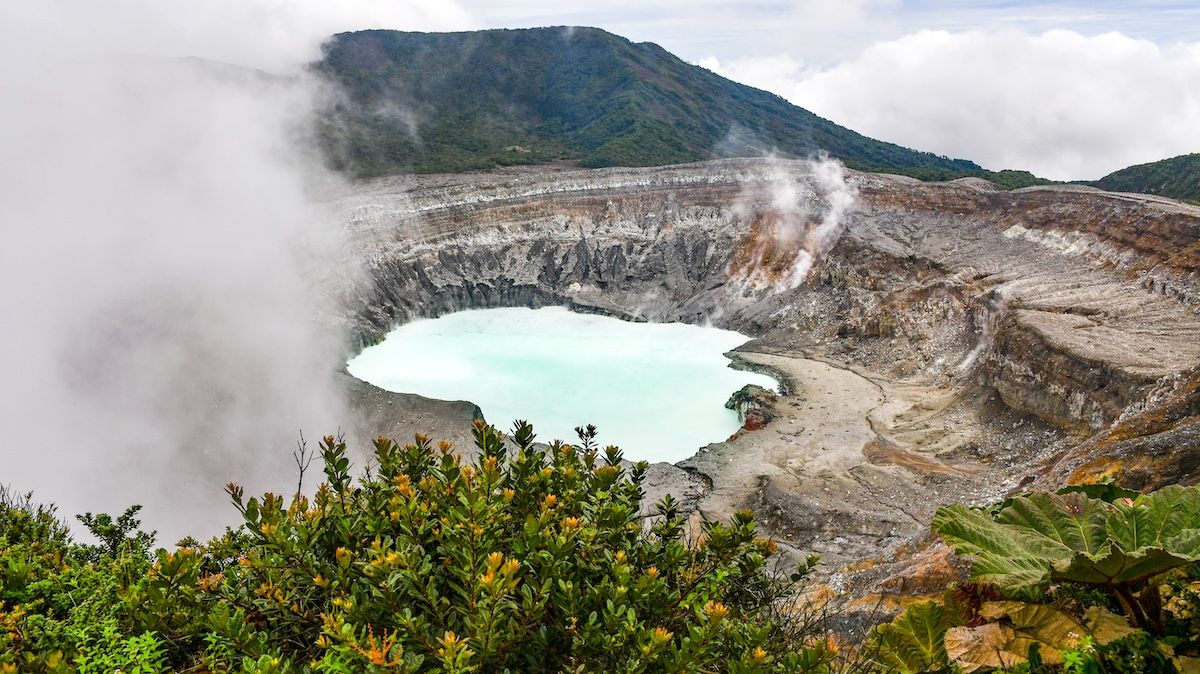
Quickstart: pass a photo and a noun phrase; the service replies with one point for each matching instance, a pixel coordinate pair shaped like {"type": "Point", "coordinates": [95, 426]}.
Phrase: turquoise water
{"type": "Point", "coordinates": [657, 390]}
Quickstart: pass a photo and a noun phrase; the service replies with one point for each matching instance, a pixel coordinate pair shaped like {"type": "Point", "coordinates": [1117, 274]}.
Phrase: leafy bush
{"type": "Point", "coordinates": [61, 603]}
{"type": "Point", "coordinates": [1053, 565]}
{"type": "Point", "coordinates": [522, 560]}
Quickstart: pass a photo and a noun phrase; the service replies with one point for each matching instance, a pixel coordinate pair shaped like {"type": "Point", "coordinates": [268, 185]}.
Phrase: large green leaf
{"type": "Point", "coordinates": [1114, 566]}
{"type": "Point", "coordinates": [1186, 544]}
{"type": "Point", "coordinates": [1008, 556]}
{"type": "Point", "coordinates": [1072, 520]}
{"type": "Point", "coordinates": [914, 643]}
{"type": "Point", "coordinates": [1072, 537]}
{"type": "Point", "coordinates": [1056, 630]}
{"type": "Point", "coordinates": [1152, 519]}
{"type": "Point", "coordinates": [1014, 626]}
{"type": "Point", "coordinates": [986, 647]}
{"type": "Point", "coordinates": [1106, 626]}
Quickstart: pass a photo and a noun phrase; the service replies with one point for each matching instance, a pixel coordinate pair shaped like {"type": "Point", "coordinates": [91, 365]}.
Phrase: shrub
{"type": "Point", "coordinates": [522, 560]}
{"type": "Point", "coordinates": [1049, 568]}
{"type": "Point", "coordinates": [60, 602]}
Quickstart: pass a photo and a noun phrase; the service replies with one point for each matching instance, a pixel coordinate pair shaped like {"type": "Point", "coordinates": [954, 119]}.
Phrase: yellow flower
{"type": "Point", "coordinates": [208, 582]}
{"type": "Point", "coordinates": [716, 611]}
{"type": "Point", "coordinates": [404, 486]}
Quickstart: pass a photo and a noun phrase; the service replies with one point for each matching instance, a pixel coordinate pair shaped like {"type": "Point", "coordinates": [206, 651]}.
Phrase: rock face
{"type": "Point", "coordinates": [401, 416]}
{"type": "Point", "coordinates": [755, 406]}
{"type": "Point", "coordinates": [945, 341]}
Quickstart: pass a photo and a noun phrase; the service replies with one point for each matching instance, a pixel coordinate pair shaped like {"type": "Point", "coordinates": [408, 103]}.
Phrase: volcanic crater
{"type": "Point", "coordinates": [947, 342]}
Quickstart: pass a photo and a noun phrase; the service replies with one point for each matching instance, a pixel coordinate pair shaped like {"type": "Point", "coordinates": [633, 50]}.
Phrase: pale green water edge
{"type": "Point", "coordinates": [658, 390]}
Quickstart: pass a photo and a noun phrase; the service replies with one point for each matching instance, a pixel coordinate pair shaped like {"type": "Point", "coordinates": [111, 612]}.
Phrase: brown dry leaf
{"type": "Point", "coordinates": [1106, 626]}
{"type": "Point", "coordinates": [1186, 665]}
{"type": "Point", "coordinates": [1054, 629]}
{"type": "Point", "coordinates": [988, 646]}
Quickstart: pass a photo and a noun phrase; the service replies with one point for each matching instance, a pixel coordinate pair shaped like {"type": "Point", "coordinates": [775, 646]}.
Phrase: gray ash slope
{"type": "Point", "coordinates": [956, 342]}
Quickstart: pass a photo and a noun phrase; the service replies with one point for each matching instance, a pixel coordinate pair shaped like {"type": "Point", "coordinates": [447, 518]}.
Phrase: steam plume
{"type": "Point", "coordinates": [163, 330]}
{"type": "Point", "coordinates": [801, 223]}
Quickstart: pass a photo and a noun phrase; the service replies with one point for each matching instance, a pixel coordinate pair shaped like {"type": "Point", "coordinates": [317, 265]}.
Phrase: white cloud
{"type": "Point", "coordinates": [824, 29]}
{"type": "Point", "coordinates": [1060, 104]}
{"type": "Point", "coordinates": [268, 34]}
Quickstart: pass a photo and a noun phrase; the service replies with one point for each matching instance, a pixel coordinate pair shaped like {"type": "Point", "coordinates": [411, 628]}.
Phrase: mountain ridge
{"type": "Point", "coordinates": [1174, 177]}
{"type": "Point", "coordinates": [442, 102]}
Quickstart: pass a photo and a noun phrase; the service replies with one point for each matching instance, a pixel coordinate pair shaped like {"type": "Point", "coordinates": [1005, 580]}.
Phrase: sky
{"type": "Point", "coordinates": [1070, 90]}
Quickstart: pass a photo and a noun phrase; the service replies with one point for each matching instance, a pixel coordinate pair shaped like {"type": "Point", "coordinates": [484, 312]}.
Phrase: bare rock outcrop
{"type": "Point", "coordinates": [755, 406]}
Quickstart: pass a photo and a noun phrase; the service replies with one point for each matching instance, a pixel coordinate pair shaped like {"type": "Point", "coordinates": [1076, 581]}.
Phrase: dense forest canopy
{"type": "Point", "coordinates": [435, 102]}
{"type": "Point", "coordinates": [1177, 177]}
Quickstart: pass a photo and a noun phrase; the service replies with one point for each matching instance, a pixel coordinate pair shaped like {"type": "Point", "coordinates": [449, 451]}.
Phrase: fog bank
{"type": "Point", "coordinates": [164, 327]}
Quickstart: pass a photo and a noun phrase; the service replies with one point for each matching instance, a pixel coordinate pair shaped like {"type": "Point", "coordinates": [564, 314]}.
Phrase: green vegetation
{"type": "Point", "coordinates": [1178, 178]}
{"type": "Point", "coordinates": [1090, 579]}
{"type": "Point", "coordinates": [524, 562]}
{"type": "Point", "coordinates": [530, 560]}
{"type": "Point", "coordinates": [435, 102]}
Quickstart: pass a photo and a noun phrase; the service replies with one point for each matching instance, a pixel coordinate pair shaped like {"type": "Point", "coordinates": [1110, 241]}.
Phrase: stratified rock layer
{"type": "Point", "coordinates": [957, 342]}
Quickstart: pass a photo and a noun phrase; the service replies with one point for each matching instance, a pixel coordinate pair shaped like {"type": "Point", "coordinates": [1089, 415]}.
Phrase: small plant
{"type": "Point", "coordinates": [1047, 568]}
{"type": "Point", "coordinates": [1116, 545]}
{"type": "Point", "coordinates": [110, 652]}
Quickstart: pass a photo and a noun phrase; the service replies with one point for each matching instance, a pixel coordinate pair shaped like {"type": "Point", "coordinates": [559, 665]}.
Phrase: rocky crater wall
{"type": "Point", "coordinates": [1098, 291]}
{"type": "Point", "coordinates": [949, 341]}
